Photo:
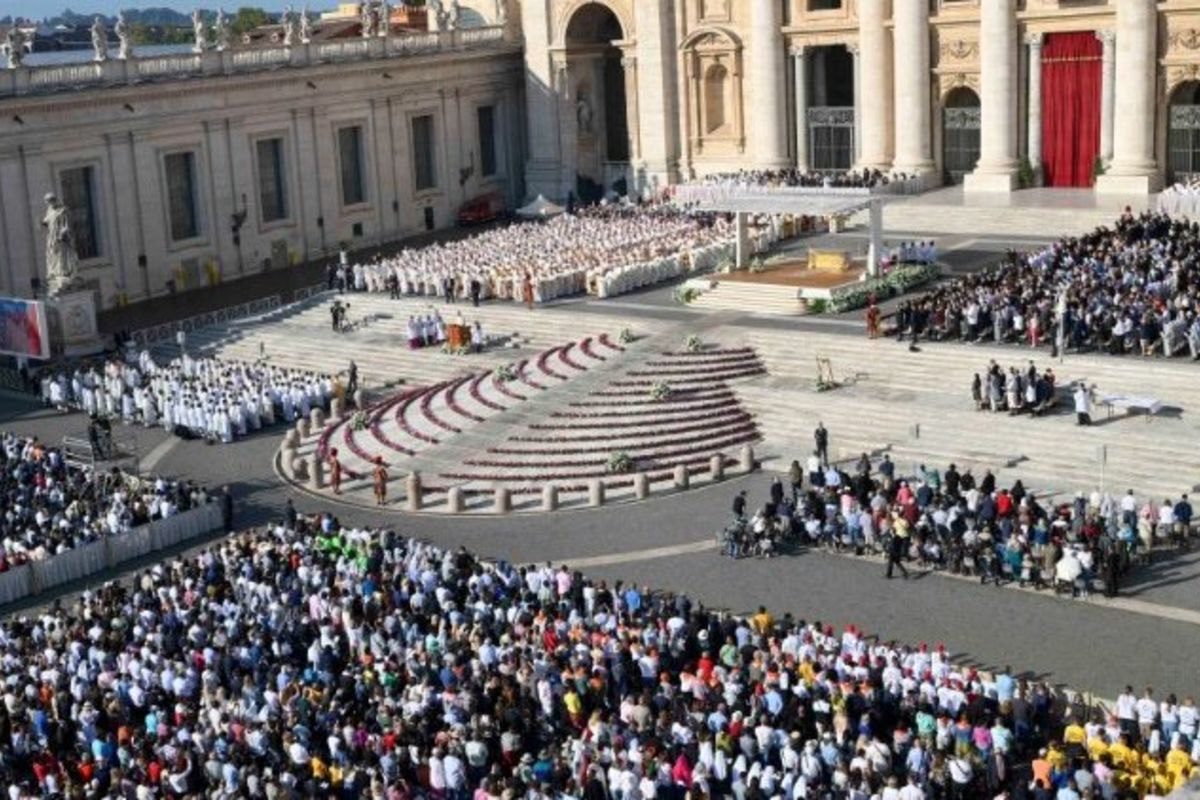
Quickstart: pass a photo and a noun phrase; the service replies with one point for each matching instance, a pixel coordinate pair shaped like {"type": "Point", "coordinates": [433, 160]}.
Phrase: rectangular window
{"type": "Point", "coordinates": [487, 140]}
{"type": "Point", "coordinates": [181, 196]}
{"type": "Point", "coordinates": [824, 5]}
{"type": "Point", "coordinates": [271, 195]}
{"type": "Point", "coordinates": [350, 151]}
{"type": "Point", "coordinates": [423, 155]}
{"type": "Point", "coordinates": [79, 196]}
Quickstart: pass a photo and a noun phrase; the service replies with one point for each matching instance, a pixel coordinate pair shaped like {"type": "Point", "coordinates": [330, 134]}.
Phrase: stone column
{"type": "Point", "coordinates": [657, 83]}
{"type": "Point", "coordinates": [856, 68]}
{"type": "Point", "coordinates": [629, 65]}
{"type": "Point", "coordinates": [1133, 169]}
{"type": "Point", "coordinates": [873, 95]}
{"type": "Point", "coordinates": [1034, 40]}
{"type": "Point", "coordinates": [910, 33]}
{"type": "Point", "coordinates": [741, 246]}
{"type": "Point", "coordinates": [544, 166]}
{"type": "Point", "coordinates": [799, 60]}
{"type": "Point", "coordinates": [997, 167]}
{"type": "Point", "coordinates": [1108, 80]}
{"type": "Point", "coordinates": [768, 127]}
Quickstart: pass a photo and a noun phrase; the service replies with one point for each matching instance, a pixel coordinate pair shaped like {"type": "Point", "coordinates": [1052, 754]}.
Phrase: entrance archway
{"type": "Point", "coordinates": [1183, 133]}
{"type": "Point", "coordinates": [597, 85]}
{"type": "Point", "coordinates": [830, 113]}
{"type": "Point", "coordinates": [960, 133]}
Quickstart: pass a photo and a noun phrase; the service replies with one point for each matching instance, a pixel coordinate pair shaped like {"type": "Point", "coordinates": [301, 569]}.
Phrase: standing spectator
{"type": "Point", "coordinates": [821, 437]}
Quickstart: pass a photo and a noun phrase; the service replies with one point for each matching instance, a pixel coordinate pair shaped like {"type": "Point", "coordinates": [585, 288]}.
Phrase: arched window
{"type": "Point", "coordinates": [716, 84]}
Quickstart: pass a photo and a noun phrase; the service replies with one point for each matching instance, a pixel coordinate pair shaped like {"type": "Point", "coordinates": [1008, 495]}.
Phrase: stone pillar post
{"type": "Point", "coordinates": [768, 128]}
{"type": "Point", "coordinates": [997, 167]}
{"type": "Point", "coordinates": [911, 51]}
{"type": "Point", "coordinates": [413, 489]}
{"type": "Point", "coordinates": [1108, 80]}
{"type": "Point", "coordinates": [742, 241]}
{"type": "Point", "coordinates": [1034, 148]}
{"type": "Point", "coordinates": [873, 100]}
{"type": "Point", "coordinates": [629, 65]}
{"type": "Point", "coordinates": [1133, 169]}
{"type": "Point", "coordinates": [856, 68]}
{"type": "Point", "coordinates": [799, 60]}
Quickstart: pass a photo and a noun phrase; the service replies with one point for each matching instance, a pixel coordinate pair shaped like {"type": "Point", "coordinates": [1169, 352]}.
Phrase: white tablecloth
{"type": "Point", "coordinates": [1129, 402]}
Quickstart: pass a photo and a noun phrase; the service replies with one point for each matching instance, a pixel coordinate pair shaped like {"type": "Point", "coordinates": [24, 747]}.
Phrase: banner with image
{"type": "Point", "coordinates": [23, 330]}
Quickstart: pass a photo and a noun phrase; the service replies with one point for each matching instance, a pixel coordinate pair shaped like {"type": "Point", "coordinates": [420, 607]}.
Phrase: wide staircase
{"type": "Point", "coordinates": [905, 216]}
{"type": "Point", "coordinates": [918, 408]}
{"type": "Point", "coordinates": [747, 297]}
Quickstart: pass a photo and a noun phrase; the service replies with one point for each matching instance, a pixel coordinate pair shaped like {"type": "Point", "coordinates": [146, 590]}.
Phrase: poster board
{"type": "Point", "coordinates": [23, 329]}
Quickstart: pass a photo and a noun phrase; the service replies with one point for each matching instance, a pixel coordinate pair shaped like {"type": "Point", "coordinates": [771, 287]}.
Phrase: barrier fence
{"type": "Point", "coordinates": [111, 551]}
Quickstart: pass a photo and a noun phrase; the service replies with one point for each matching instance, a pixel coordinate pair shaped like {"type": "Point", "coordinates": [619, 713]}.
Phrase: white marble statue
{"type": "Point", "coordinates": [289, 27]}
{"type": "Point", "coordinates": [435, 15]}
{"type": "Point", "coordinates": [222, 30]}
{"type": "Point", "coordinates": [454, 14]}
{"type": "Point", "coordinates": [583, 112]}
{"type": "Point", "coordinates": [62, 262]}
{"type": "Point", "coordinates": [384, 22]}
{"type": "Point", "coordinates": [99, 39]}
{"type": "Point", "coordinates": [365, 18]}
{"type": "Point", "coordinates": [305, 26]}
{"type": "Point", "coordinates": [501, 12]}
{"type": "Point", "coordinates": [199, 32]}
{"type": "Point", "coordinates": [15, 48]}
{"type": "Point", "coordinates": [125, 49]}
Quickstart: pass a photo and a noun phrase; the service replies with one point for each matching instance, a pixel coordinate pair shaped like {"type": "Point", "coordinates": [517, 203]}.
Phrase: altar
{"type": "Point", "coordinates": [828, 260]}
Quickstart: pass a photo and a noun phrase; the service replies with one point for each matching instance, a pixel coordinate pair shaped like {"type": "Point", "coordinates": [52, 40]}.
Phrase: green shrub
{"type": "Point", "coordinates": [818, 305]}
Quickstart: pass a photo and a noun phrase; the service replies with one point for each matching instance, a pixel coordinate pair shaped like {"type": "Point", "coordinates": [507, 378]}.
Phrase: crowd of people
{"type": "Point", "coordinates": [51, 507]}
{"type": "Point", "coordinates": [956, 521]}
{"type": "Point", "coordinates": [791, 177]}
{"type": "Point", "coordinates": [1133, 287]}
{"type": "Point", "coordinates": [202, 397]}
{"type": "Point", "coordinates": [602, 250]}
{"type": "Point", "coordinates": [1016, 391]}
{"type": "Point", "coordinates": [307, 659]}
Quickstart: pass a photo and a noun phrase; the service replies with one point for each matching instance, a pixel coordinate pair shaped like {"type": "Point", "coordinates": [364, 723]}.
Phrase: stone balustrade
{"type": "Point", "coordinates": [38, 79]}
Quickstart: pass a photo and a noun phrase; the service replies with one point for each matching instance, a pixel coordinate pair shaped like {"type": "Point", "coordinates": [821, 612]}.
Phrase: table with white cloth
{"type": "Point", "coordinates": [1130, 403]}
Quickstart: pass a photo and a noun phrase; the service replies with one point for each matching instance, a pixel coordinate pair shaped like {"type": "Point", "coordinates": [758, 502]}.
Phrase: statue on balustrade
{"type": "Point", "coordinates": [199, 32]}
{"type": "Point", "coordinates": [15, 48]}
{"type": "Point", "coordinates": [125, 39]}
{"type": "Point", "coordinates": [385, 18]}
{"type": "Point", "coordinates": [501, 12]}
{"type": "Point", "coordinates": [367, 20]}
{"type": "Point", "coordinates": [289, 27]}
{"type": "Point", "coordinates": [99, 39]}
{"type": "Point", "coordinates": [455, 12]}
{"type": "Point", "coordinates": [62, 262]}
{"type": "Point", "coordinates": [222, 30]}
{"type": "Point", "coordinates": [436, 15]}
{"type": "Point", "coordinates": [305, 26]}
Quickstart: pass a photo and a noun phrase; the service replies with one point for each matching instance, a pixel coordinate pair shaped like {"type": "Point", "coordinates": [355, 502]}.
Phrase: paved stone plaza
{"type": "Point", "coordinates": [668, 541]}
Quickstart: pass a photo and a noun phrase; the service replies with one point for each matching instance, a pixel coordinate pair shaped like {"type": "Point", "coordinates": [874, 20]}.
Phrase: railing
{"type": "Point", "coordinates": [55, 77]}
{"type": "Point", "coordinates": [67, 74]}
{"type": "Point", "coordinates": [259, 58]}
{"type": "Point", "coordinates": [159, 66]}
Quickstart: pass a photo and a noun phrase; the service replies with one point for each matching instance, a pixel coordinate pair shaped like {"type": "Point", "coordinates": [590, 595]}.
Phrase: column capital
{"type": "Point", "coordinates": [852, 47]}
{"type": "Point", "coordinates": [1034, 40]}
{"type": "Point", "coordinates": [797, 50]}
{"type": "Point", "coordinates": [1107, 38]}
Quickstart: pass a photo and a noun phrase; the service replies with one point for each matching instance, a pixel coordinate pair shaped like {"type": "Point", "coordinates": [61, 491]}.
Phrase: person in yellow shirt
{"type": "Point", "coordinates": [1121, 754]}
{"type": "Point", "coordinates": [1096, 747]}
{"type": "Point", "coordinates": [1179, 765]}
{"type": "Point", "coordinates": [574, 707]}
{"type": "Point", "coordinates": [762, 622]}
{"type": "Point", "coordinates": [1056, 757]}
{"type": "Point", "coordinates": [1074, 734]}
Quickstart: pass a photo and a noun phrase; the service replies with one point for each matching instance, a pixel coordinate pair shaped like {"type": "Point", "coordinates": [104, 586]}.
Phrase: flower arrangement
{"type": "Point", "coordinates": [461, 350]}
{"type": "Point", "coordinates": [506, 373]}
{"type": "Point", "coordinates": [693, 344]}
{"type": "Point", "coordinates": [757, 265]}
{"type": "Point", "coordinates": [900, 280]}
{"type": "Point", "coordinates": [619, 463]}
{"type": "Point", "coordinates": [360, 421]}
{"type": "Point", "coordinates": [626, 336]}
{"type": "Point", "coordinates": [686, 294]}
{"type": "Point", "coordinates": [660, 391]}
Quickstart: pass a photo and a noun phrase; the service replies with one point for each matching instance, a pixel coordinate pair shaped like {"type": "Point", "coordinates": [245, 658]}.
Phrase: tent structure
{"type": "Point", "coordinates": [540, 208]}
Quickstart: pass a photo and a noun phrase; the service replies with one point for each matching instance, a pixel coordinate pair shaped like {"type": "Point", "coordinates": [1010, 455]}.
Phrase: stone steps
{"type": "Point", "coordinates": [924, 217]}
{"type": "Point", "coordinates": [747, 297]}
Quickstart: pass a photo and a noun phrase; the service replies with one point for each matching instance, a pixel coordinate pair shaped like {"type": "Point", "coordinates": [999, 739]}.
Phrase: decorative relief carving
{"type": "Point", "coordinates": [958, 50]}
{"type": "Point", "coordinates": [1184, 40]}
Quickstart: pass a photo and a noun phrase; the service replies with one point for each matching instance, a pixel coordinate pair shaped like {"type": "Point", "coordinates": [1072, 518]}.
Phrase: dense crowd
{"type": "Point", "coordinates": [205, 397]}
{"type": "Point", "coordinates": [791, 177]}
{"type": "Point", "coordinates": [311, 660]}
{"type": "Point", "coordinates": [1017, 391]}
{"type": "Point", "coordinates": [1130, 288]}
{"type": "Point", "coordinates": [956, 521]}
{"type": "Point", "coordinates": [50, 507]}
{"type": "Point", "coordinates": [612, 245]}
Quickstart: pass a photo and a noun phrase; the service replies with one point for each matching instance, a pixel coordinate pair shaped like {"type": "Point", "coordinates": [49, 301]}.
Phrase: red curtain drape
{"type": "Point", "coordinates": [1070, 107]}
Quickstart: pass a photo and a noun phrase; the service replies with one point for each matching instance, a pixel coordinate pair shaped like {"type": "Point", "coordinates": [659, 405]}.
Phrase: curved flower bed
{"type": "Point", "coordinates": [565, 357]}
{"type": "Point", "coordinates": [654, 459]}
{"type": "Point", "coordinates": [609, 343]}
{"type": "Point", "coordinates": [669, 400]}
{"type": "Point", "coordinates": [651, 412]}
{"type": "Point", "coordinates": [375, 411]}
{"type": "Point", "coordinates": [749, 358]}
{"type": "Point", "coordinates": [656, 422]}
{"type": "Point", "coordinates": [502, 387]}
{"type": "Point", "coordinates": [728, 351]}
{"type": "Point", "coordinates": [524, 378]}
{"type": "Point", "coordinates": [589, 351]}
{"type": "Point", "coordinates": [427, 412]}
{"type": "Point", "coordinates": [477, 395]}
{"type": "Point", "coordinates": [455, 406]}
{"type": "Point", "coordinates": [736, 416]}
{"type": "Point", "coordinates": [697, 375]}
{"type": "Point", "coordinates": [745, 427]}
{"type": "Point", "coordinates": [686, 393]}
{"type": "Point", "coordinates": [409, 429]}
{"type": "Point", "coordinates": [544, 367]}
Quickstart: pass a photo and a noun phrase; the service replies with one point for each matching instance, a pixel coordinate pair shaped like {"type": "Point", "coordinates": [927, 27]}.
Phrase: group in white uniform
{"type": "Point", "coordinates": [210, 397]}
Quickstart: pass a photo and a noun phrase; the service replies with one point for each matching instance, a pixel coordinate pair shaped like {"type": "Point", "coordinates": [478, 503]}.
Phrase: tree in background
{"type": "Point", "coordinates": [247, 19]}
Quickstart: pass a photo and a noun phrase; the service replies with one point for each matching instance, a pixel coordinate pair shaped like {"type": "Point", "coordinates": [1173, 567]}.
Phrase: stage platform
{"type": "Point", "coordinates": [796, 274]}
